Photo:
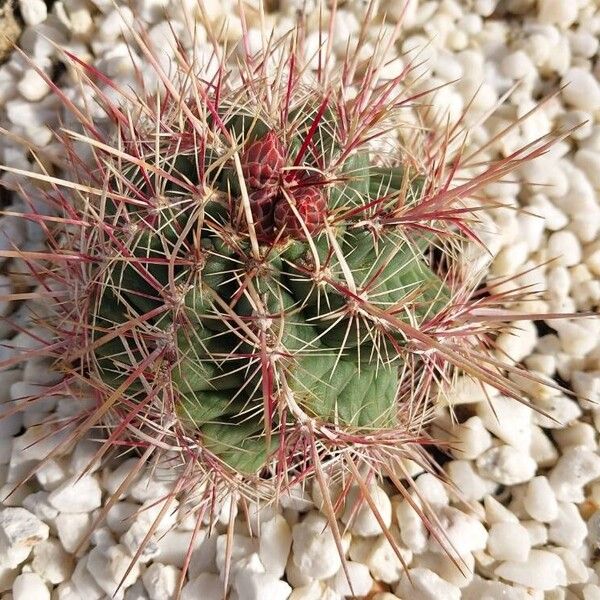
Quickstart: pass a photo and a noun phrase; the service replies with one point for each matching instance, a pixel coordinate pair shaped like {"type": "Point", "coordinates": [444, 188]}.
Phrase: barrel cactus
{"type": "Point", "coordinates": [242, 277]}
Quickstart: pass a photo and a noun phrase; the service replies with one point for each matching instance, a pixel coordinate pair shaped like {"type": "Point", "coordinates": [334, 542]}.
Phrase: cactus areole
{"type": "Point", "coordinates": [245, 277]}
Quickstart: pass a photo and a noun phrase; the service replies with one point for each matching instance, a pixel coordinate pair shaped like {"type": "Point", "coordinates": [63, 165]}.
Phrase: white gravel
{"type": "Point", "coordinates": [525, 514]}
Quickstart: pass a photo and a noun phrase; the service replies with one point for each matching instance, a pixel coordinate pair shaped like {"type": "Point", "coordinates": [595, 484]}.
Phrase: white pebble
{"type": "Point", "coordinates": [539, 500]}
{"type": "Point", "coordinates": [481, 589]}
{"type": "Point", "coordinates": [576, 570]}
{"type": "Point", "coordinates": [412, 529]}
{"type": "Point", "coordinates": [28, 586]}
{"type": "Point", "coordinates": [506, 465]}
{"type": "Point", "coordinates": [574, 469]}
{"type": "Point", "coordinates": [582, 91]}
{"type": "Point", "coordinates": [383, 560]}
{"type": "Point", "coordinates": [508, 541]}
{"type": "Point", "coordinates": [568, 529]}
{"type": "Point", "coordinates": [472, 487]}
{"type": "Point", "coordinates": [423, 584]}
{"type": "Point", "coordinates": [250, 582]}
{"type": "Point", "coordinates": [314, 550]}
{"type": "Point", "coordinates": [206, 586]}
{"type": "Point", "coordinates": [358, 582]}
{"type": "Point", "coordinates": [51, 561]}
{"type": "Point", "coordinates": [472, 439]}
{"type": "Point", "coordinates": [77, 495]}
{"type": "Point", "coordinates": [112, 480]}
{"type": "Point", "coordinates": [557, 12]}
{"type": "Point", "coordinates": [457, 570]}
{"type": "Point", "coordinates": [242, 547]}
{"type": "Point", "coordinates": [496, 512]}
{"type": "Point", "coordinates": [538, 533]}
{"type": "Point", "coordinates": [565, 248]}
{"type": "Point", "coordinates": [20, 530]}
{"type": "Point", "coordinates": [33, 12]}
{"type": "Point", "coordinates": [507, 419]}
{"type": "Point", "coordinates": [274, 545]}
{"type": "Point", "coordinates": [174, 545]}
{"type": "Point", "coordinates": [541, 571]}
{"type": "Point", "coordinates": [160, 581]}
{"type": "Point", "coordinates": [359, 516]}
{"type": "Point", "coordinates": [462, 532]}
{"type": "Point", "coordinates": [33, 86]}
{"type": "Point", "coordinates": [72, 529]}
{"type": "Point", "coordinates": [108, 567]}
{"type": "Point", "coordinates": [84, 583]}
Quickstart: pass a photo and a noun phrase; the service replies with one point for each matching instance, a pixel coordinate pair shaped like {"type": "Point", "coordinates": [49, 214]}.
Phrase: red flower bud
{"type": "Point", "coordinates": [310, 204]}
{"type": "Point", "coordinates": [262, 161]}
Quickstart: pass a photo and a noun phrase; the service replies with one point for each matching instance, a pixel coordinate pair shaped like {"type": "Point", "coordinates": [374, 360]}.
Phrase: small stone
{"type": "Point", "coordinates": [174, 545]}
{"type": "Point", "coordinates": [538, 533]}
{"type": "Point", "coordinates": [37, 503]}
{"type": "Point", "coordinates": [576, 468]}
{"type": "Point", "coordinates": [84, 583]}
{"type": "Point", "coordinates": [425, 585]}
{"type": "Point", "coordinates": [576, 570]}
{"type": "Point", "coordinates": [565, 248]}
{"type": "Point", "coordinates": [133, 539]}
{"type": "Point", "coordinates": [383, 560]}
{"type": "Point", "coordinates": [457, 570]}
{"type": "Point", "coordinates": [112, 480]}
{"type": "Point", "coordinates": [72, 530]}
{"type": "Point", "coordinates": [568, 529]}
{"type": "Point", "coordinates": [359, 516]}
{"type": "Point", "coordinates": [508, 419]}
{"type": "Point", "coordinates": [242, 547]}
{"type": "Point", "coordinates": [67, 591]}
{"type": "Point", "coordinates": [472, 487]}
{"type": "Point", "coordinates": [28, 586]}
{"type": "Point", "coordinates": [77, 495]}
{"type": "Point", "coordinates": [412, 529]}
{"type": "Point", "coordinates": [160, 581]}
{"type": "Point", "coordinates": [120, 516]}
{"type": "Point", "coordinates": [20, 531]}
{"type": "Point", "coordinates": [576, 339]}
{"type": "Point", "coordinates": [508, 541]}
{"type": "Point", "coordinates": [275, 542]}
{"type": "Point", "coordinates": [557, 12]}
{"type": "Point", "coordinates": [472, 439]}
{"type": "Point", "coordinates": [542, 571]}
{"type": "Point", "coordinates": [51, 562]}
{"type": "Point", "coordinates": [250, 582]}
{"type": "Point", "coordinates": [108, 567]}
{"type": "Point", "coordinates": [463, 533]}
{"type": "Point", "coordinates": [358, 581]}
{"type": "Point", "coordinates": [582, 91]}
{"type": "Point", "coordinates": [33, 86]}
{"type": "Point", "coordinates": [314, 550]}
{"type": "Point", "coordinates": [206, 586]}
{"type": "Point", "coordinates": [33, 12]}
{"type": "Point", "coordinates": [539, 500]}
{"type": "Point", "coordinates": [576, 434]}
{"type": "Point", "coordinates": [506, 465]}
{"type": "Point", "coordinates": [482, 589]}
{"type": "Point", "coordinates": [496, 512]}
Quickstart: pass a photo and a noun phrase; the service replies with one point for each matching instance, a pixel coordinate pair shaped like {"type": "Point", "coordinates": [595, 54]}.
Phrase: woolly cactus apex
{"type": "Point", "coordinates": [242, 281]}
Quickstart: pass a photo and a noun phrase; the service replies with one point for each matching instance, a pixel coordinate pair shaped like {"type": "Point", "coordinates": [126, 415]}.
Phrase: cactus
{"type": "Point", "coordinates": [242, 279]}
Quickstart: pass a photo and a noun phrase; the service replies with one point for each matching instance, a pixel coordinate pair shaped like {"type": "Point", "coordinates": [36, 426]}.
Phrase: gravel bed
{"type": "Point", "coordinates": [526, 519]}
